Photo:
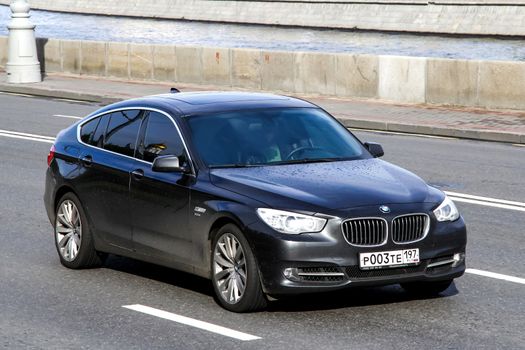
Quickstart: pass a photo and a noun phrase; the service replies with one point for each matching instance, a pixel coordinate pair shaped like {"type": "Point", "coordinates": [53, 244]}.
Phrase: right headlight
{"type": "Point", "coordinates": [289, 222]}
{"type": "Point", "coordinates": [447, 211]}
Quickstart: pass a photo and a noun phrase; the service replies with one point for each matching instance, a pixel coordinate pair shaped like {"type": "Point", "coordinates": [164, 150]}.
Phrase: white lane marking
{"type": "Point", "coordinates": [192, 322]}
{"type": "Point", "coordinates": [405, 134]}
{"type": "Point", "coordinates": [26, 134]}
{"type": "Point", "coordinates": [28, 137]}
{"type": "Point", "coordinates": [66, 116]}
{"type": "Point", "coordinates": [487, 204]}
{"type": "Point", "coordinates": [485, 199]}
{"type": "Point", "coordinates": [498, 276]}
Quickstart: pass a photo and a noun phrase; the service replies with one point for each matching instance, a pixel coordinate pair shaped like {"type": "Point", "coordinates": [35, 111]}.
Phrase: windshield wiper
{"type": "Point", "coordinates": [282, 162]}
{"type": "Point", "coordinates": [310, 160]}
{"type": "Point", "coordinates": [234, 165]}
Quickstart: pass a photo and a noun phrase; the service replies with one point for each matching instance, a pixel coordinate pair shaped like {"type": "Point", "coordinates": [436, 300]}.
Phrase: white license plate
{"type": "Point", "coordinates": [394, 258]}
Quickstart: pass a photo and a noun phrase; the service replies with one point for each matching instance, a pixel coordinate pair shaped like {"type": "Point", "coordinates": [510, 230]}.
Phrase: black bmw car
{"type": "Point", "coordinates": [265, 195]}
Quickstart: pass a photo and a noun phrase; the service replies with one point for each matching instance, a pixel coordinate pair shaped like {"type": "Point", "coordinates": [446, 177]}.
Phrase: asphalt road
{"type": "Point", "coordinates": [44, 305]}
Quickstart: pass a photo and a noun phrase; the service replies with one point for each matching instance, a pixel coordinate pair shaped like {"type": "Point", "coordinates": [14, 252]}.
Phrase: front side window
{"type": "Point", "coordinates": [160, 138]}
{"type": "Point", "coordinates": [272, 137]}
{"type": "Point", "coordinates": [122, 131]}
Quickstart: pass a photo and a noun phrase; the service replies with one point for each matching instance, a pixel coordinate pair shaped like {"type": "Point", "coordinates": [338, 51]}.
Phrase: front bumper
{"type": "Point", "coordinates": [307, 263]}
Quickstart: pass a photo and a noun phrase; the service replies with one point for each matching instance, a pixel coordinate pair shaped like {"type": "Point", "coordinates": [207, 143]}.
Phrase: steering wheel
{"type": "Point", "coordinates": [302, 149]}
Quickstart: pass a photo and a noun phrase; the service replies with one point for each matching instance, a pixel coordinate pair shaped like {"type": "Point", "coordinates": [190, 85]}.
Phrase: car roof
{"type": "Point", "coordinates": [190, 103]}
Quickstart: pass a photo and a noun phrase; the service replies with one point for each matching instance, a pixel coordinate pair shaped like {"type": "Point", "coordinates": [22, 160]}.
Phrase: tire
{"type": "Point", "coordinates": [426, 288]}
{"type": "Point", "coordinates": [233, 266]}
{"type": "Point", "coordinates": [77, 251]}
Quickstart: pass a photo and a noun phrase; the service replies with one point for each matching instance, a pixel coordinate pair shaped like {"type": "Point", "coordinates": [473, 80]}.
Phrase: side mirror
{"type": "Point", "coordinates": [168, 164]}
{"type": "Point", "coordinates": [375, 149]}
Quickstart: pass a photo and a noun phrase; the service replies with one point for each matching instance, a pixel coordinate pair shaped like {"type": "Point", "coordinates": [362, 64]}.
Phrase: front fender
{"type": "Point", "coordinates": [217, 214]}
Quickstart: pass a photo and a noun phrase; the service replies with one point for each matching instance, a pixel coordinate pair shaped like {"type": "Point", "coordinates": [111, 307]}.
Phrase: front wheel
{"type": "Point", "coordinates": [73, 239]}
{"type": "Point", "coordinates": [235, 275]}
{"type": "Point", "coordinates": [426, 288]}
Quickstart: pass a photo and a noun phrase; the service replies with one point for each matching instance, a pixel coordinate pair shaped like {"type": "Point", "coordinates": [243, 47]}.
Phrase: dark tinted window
{"type": "Point", "coordinates": [272, 136]}
{"type": "Point", "coordinates": [98, 136]}
{"type": "Point", "coordinates": [160, 138]}
{"type": "Point", "coordinates": [87, 130]}
{"type": "Point", "coordinates": [122, 131]}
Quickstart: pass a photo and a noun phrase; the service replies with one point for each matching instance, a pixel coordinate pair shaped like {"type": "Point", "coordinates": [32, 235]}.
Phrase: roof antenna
{"type": "Point", "coordinates": [174, 90]}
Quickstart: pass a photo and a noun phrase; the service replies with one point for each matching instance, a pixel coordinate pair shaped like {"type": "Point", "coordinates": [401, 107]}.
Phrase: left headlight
{"type": "Point", "coordinates": [446, 211]}
{"type": "Point", "coordinates": [289, 222]}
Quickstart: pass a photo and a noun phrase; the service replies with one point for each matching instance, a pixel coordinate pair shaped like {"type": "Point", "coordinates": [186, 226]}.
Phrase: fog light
{"type": "Point", "coordinates": [458, 259]}
{"type": "Point", "coordinates": [288, 273]}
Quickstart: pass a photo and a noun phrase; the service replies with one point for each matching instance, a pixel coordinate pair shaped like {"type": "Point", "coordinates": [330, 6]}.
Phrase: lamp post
{"type": "Point", "coordinates": [22, 64]}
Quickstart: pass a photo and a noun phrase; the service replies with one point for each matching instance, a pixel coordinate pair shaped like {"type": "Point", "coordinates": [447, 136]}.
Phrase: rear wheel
{"type": "Point", "coordinates": [235, 274]}
{"type": "Point", "coordinates": [73, 239]}
{"type": "Point", "coordinates": [426, 288]}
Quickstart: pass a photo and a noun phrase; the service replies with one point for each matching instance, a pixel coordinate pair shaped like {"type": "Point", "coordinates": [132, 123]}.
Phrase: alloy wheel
{"type": "Point", "coordinates": [229, 268]}
{"type": "Point", "coordinates": [68, 230]}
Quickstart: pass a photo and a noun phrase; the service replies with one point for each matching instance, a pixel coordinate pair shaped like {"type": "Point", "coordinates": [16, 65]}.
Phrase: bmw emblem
{"type": "Point", "coordinates": [384, 209]}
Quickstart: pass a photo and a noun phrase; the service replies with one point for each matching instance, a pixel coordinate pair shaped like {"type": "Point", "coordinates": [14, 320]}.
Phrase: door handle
{"type": "Point", "coordinates": [86, 161]}
{"type": "Point", "coordinates": [138, 174]}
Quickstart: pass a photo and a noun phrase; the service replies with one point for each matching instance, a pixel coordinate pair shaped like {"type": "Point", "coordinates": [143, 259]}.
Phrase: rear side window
{"type": "Point", "coordinates": [93, 131]}
{"type": "Point", "coordinates": [87, 130]}
{"type": "Point", "coordinates": [98, 136]}
{"type": "Point", "coordinates": [160, 138]}
{"type": "Point", "coordinates": [122, 131]}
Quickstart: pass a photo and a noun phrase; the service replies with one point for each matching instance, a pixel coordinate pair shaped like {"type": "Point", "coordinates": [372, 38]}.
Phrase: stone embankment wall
{"type": "Point", "coordinates": [492, 84]}
{"type": "Point", "coordinates": [477, 17]}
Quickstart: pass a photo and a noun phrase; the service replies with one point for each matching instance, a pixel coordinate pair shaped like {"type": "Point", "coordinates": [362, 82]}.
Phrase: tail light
{"type": "Point", "coordinates": [51, 155]}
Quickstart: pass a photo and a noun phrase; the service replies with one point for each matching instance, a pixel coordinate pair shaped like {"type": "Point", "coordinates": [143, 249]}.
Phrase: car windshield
{"type": "Point", "coordinates": [271, 137]}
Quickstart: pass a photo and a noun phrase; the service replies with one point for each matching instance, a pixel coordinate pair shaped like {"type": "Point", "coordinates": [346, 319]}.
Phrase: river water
{"type": "Point", "coordinates": [103, 28]}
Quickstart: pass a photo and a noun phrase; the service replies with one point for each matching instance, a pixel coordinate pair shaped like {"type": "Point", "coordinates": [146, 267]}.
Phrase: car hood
{"type": "Point", "coordinates": [334, 185]}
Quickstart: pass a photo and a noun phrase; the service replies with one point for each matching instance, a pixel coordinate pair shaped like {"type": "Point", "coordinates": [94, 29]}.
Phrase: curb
{"type": "Point", "coordinates": [62, 94]}
{"type": "Point", "coordinates": [470, 134]}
